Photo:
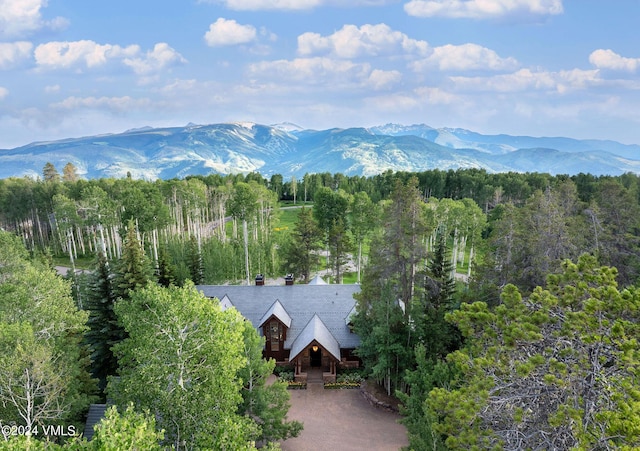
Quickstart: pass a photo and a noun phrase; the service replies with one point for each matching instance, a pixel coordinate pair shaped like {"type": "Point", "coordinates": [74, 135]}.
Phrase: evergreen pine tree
{"type": "Point", "coordinates": [132, 273]}
{"type": "Point", "coordinates": [196, 269]}
{"type": "Point", "coordinates": [436, 339]}
{"type": "Point", "coordinates": [300, 253]}
{"type": "Point", "coordinates": [134, 270]}
{"type": "Point", "coordinates": [339, 245]}
{"type": "Point", "coordinates": [166, 270]}
{"type": "Point", "coordinates": [437, 335]}
{"type": "Point", "coordinates": [440, 284]}
{"type": "Point", "coordinates": [50, 173]}
{"type": "Point", "coordinates": [103, 325]}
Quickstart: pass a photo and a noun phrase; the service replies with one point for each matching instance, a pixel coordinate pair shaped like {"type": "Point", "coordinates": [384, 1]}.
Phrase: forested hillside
{"type": "Point", "coordinates": [201, 218]}
{"type": "Point", "coordinates": [467, 280]}
{"type": "Point", "coordinates": [229, 148]}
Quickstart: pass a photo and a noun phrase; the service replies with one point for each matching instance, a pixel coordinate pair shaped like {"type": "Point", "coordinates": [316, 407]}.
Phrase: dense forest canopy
{"type": "Point", "coordinates": [467, 279]}
{"type": "Point", "coordinates": [65, 215]}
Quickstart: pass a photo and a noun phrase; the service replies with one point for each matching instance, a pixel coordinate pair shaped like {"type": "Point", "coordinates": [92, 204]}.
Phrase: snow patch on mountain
{"type": "Point", "coordinates": [287, 149]}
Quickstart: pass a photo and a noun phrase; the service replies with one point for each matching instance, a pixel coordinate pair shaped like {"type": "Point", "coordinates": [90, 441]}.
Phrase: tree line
{"type": "Point", "coordinates": [183, 373]}
{"type": "Point", "coordinates": [66, 215]}
{"type": "Point", "coordinates": [538, 350]}
{"type": "Point", "coordinates": [449, 262]}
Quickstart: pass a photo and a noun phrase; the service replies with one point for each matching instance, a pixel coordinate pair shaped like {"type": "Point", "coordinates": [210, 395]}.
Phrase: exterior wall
{"type": "Point", "coordinates": [348, 354]}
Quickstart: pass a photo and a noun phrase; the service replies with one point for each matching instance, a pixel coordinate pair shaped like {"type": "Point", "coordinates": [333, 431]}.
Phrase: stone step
{"type": "Point", "coordinates": [314, 375]}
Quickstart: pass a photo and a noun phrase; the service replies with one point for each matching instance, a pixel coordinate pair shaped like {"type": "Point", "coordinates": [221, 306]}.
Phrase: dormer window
{"type": "Point", "coordinates": [275, 323]}
{"type": "Point", "coordinates": [275, 334]}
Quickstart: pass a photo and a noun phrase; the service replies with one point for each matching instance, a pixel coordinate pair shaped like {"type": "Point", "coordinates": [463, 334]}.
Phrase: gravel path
{"type": "Point", "coordinates": [342, 420]}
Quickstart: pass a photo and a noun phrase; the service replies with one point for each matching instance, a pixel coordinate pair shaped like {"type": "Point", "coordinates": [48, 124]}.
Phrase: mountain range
{"type": "Point", "coordinates": [290, 150]}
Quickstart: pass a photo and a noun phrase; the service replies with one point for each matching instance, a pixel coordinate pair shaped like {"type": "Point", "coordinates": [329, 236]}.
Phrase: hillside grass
{"type": "Point", "coordinates": [287, 219]}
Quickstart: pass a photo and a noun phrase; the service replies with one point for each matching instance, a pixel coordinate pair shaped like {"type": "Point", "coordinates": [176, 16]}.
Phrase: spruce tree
{"type": "Point", "coordinates": [133, 270]}
{"type": "Point", "coordinates": [103, 325]}
{"type": "Point", "coordinates": [196, 269]}
{"type": "Point", "coordinates": [300, 254]}
{"type": "Point", "coordinates": [166, 270]}
{"type": "Point", "coordinates": [438, 336]}
{"type": "Point", "coordinates": [440, 284]}
{"type": "Point", "coordinates": [50, 173]}
{"type": "Point", "coordinates": [339, 245]}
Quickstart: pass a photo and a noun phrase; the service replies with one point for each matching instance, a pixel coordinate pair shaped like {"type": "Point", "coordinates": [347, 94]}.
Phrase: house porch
{"type": "Point", "coordinates": [313, 358]}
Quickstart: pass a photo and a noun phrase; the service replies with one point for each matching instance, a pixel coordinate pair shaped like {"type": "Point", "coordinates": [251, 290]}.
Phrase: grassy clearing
{"type": "Point", "coordinates": [81, 262]}
{"type": "Point", "coordinates": [288, 218]}
{"type": "Point", "coordinates": [299, 203]}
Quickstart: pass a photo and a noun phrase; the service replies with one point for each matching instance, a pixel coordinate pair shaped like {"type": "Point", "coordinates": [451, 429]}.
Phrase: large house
{"type": "Point", "coordinates": [306, 326]}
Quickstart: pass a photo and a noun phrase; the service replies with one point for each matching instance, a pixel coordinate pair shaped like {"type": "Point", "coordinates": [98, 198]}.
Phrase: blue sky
{"type": "Point", "coordinates": [72, 68]}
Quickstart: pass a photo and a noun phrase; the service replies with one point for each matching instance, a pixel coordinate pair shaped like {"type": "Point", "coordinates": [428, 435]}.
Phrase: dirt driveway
{"type": "Point", "coordinates": [342, 420]}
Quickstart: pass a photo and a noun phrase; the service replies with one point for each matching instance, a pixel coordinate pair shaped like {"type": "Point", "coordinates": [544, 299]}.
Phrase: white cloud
{"type": "Point", "coordinates": [256, 5]}
{"type": "Point", "coordinates": [62, 55]}
{"type": "Point", "coordinates": [437, 96]}
{"type": "Point", "coordinates": [608, 59]}
{"type": "Point", "coordinates": [180, 87]}
{"type": "Point", "coordinates": [370, 40]}
{"type": "Point", "coordinates": [229, 32]}
{"type": "Point", "coordinates": [4, 92]}
{"type": "Point", "coordinates": [416, 99]}
{"type": "Point", "coordinates": [12, 53]}
{"type": "Point", "coordinates": [113, 104]}
{"type": "Point", "coordinates": [381, 79]}
{"type": "Point", "coordinates": [20, 17]}
{"type": "Point", "coordinates": [528, 80]}
{"type": "Point", "coordinates": [482, 9]}
{"type": "Point", "coordinates": [155, 60]}
{"type": "Point", "coordinates": [331, 74]}
{"type": "Point", "coordinates": [89, 54]}
{"type": "Point", "coordinates": [52, 89]}
{"type": "Point", "coordinates": [576, 79]}
{"type": "Point", "coordinates": [312, 70]}
{"type": "Point", "coordinates": [253, 5]}
{"type": "Point", "coordinates": [464, 57]}
{"type": "Point", "coordinates": [393, 102]}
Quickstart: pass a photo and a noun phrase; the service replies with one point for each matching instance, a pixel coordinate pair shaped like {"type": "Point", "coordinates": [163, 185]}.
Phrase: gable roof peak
{"type": "Point", "coordinates": [317, 280]}
{"type": "Point", "coordinates": [277, 310]}
{"type": "Point", "coordinates": [315, 330]}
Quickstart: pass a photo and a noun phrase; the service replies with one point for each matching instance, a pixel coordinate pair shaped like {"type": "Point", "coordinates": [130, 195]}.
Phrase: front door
{"type": "Point", "coordinates": [315, 356]}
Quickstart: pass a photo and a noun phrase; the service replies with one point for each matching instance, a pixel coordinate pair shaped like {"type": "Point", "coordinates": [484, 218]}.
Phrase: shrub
{"type": "Point", "coordinates": [285, 375]}
{"type": "Point", "coordinates": [350, 378]}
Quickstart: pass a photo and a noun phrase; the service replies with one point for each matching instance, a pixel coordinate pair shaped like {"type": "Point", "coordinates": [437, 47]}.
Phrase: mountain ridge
{"type": "Point", "coordinates": [290, 150]}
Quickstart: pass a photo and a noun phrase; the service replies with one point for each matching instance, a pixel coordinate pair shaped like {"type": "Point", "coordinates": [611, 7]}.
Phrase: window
{"type": "Point", "coordinates": [275, 335]}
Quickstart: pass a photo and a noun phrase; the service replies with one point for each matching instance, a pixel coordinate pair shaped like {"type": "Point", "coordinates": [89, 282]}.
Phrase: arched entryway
{"type": "Point", "coordinates": [315, 347]}
{"type": "Point", "coordinates": [315, 356]}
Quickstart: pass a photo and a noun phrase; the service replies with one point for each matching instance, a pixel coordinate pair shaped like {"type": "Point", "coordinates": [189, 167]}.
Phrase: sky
{"type": "Point", "coordinates": [72, 68]}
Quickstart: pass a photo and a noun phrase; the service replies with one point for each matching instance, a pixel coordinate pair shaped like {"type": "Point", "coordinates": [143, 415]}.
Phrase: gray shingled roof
{"type": "Point", "coordinates": [349, 317]}
{"type": "Point", "coordinates": [96, 413]}
{"type": "Point", "coordinates": [332, 304]}
{"type": "Point", "coordinates": [315, 330]}
{"type": "Point", "coordinates": [279, 312]}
